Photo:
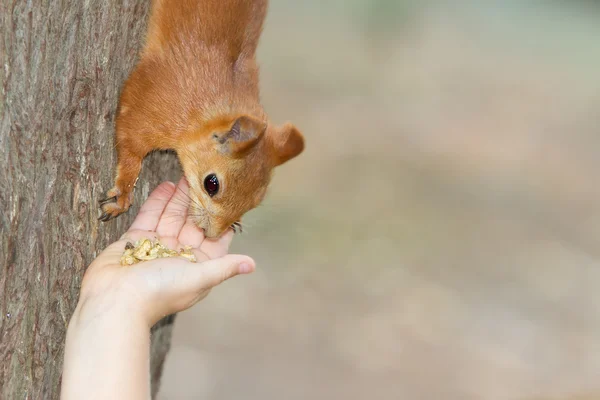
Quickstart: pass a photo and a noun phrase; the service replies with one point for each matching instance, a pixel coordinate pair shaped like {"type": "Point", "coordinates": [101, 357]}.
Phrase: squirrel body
{"type": "Point", "coordinates": [195, 90]}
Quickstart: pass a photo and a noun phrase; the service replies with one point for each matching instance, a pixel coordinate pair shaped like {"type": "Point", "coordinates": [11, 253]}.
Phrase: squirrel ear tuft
{"type": "Point", "coordinates": [243, 134]}
{"type": "Point", "coordinates": [288, 143]}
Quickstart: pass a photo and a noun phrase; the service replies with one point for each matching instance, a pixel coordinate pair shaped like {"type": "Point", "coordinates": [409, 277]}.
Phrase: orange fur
{"type": "Point", "coordinates": [196, 78]}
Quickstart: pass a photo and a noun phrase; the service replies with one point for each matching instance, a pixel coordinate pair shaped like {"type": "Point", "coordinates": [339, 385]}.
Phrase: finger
{"type": "Point", "coordinates": [213, 272]}
{"type": "Point", "coordinates": [191, 234]}
{"type": "Point", "coordinates": [175, 214]}
{"type": "Point", "coordinates": [149, 215]}
{"type": "Point", "coordinates": [215, 248]}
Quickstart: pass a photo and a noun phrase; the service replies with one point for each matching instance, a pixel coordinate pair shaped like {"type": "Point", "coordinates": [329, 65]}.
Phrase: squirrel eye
{"type": "Point", "coordinates": [211, 184]}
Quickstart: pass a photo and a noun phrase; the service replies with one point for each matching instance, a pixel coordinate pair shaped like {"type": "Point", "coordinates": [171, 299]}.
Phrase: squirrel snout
{"type": "Point", "coordinates": [212, 233]}
{"type": "Point", "coordinates": [212, 229]}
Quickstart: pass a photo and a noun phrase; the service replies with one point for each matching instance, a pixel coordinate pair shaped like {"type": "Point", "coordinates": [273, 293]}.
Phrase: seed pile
{"type": "Point", "coordinates": [146, 250]}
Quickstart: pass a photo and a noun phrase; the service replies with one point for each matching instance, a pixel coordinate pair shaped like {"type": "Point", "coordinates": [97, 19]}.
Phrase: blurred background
{"type": "Point", "coordinates": [440, 236]}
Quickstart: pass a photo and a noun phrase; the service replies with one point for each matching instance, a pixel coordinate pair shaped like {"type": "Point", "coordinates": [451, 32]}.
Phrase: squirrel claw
{"type": "Point", "coordinates": [105, 217]}
{"type": "Point", "coordinates": [111, 207]}
{"type": "Point", "coordinates": [107, 200]}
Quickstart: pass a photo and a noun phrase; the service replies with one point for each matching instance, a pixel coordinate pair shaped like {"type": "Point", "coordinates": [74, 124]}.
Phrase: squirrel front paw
{"type": "Point", "coordinates": [115, 204]}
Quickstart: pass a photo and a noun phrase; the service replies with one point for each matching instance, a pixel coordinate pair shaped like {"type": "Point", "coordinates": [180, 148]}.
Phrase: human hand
{"type": "Point", "coordinates": [154, 289]}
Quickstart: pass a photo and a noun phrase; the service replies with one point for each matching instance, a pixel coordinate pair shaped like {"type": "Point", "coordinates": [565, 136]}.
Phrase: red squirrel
{"type": "Point", "coordinates": [195, 90]}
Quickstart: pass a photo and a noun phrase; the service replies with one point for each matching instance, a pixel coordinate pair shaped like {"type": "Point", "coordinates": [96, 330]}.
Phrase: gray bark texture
{"type": "Point", "coordinates": [62, 64]}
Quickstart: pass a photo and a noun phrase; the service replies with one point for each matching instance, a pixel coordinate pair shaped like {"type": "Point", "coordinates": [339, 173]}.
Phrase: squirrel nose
{"type": "Point", "coordinates": [209, 233]}
{"type": "Point", "coordinates": [213, 232]}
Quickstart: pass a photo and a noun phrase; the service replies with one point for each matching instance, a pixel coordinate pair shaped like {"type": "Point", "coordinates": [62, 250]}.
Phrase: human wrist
{"type": "Point", "coordinates": [109, 307]}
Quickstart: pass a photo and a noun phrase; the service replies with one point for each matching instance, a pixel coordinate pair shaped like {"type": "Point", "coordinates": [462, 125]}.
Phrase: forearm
{"type": "Point", "coordinates": [106, 353]}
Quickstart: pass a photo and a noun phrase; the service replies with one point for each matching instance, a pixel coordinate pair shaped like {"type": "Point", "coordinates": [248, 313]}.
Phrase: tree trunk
{"type": "Point", "coordinates": [62, 65]}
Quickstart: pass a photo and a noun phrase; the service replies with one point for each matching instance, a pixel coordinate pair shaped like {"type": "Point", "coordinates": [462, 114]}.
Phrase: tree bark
{"type": "Point", "coordinates": [62, 64]}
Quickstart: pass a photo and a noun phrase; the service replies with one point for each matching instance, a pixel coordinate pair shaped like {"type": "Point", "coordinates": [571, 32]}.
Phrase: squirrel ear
{"type": "Point", "coordinates": [244, 133]}
{"type": "Point", "coordinates": [288, 143]}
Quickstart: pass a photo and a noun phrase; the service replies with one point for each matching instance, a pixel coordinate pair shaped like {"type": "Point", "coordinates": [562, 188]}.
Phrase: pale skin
{"type": "Point", "coordinates": [108, 338]}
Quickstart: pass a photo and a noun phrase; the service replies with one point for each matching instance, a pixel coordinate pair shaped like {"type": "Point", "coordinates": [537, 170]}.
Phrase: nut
{"type": "Point", "coordinates": [146, 250]}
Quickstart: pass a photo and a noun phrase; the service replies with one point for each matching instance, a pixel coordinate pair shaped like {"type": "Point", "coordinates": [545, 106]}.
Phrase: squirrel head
{"type": "Point", "coordinates": [228, 164]}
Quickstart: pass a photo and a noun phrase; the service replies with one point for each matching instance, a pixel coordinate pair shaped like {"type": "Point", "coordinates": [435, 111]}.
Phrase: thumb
{"type": "Point", "coordinates": [213, 272]}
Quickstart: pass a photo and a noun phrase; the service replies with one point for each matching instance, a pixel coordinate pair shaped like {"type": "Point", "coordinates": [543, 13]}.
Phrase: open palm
{"type": "Point", "coordinates": [166, 285]}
